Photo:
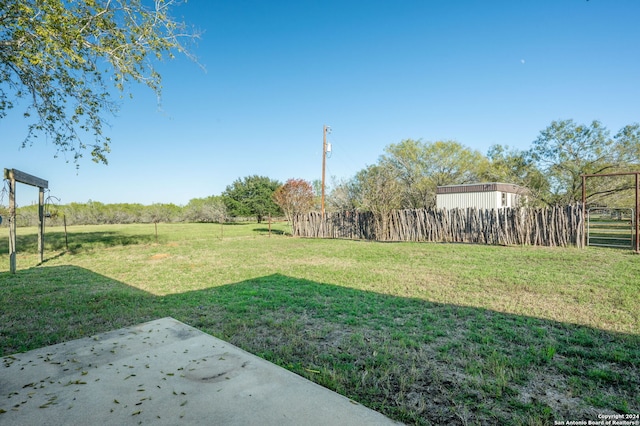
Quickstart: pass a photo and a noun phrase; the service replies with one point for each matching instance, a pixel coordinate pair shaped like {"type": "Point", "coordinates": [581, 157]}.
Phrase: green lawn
{"type": "Point", "coordinates": [425, 333]}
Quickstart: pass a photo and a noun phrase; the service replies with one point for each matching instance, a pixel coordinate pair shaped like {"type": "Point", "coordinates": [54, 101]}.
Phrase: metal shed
{"type": "Point", "coordinates": [491, 195]}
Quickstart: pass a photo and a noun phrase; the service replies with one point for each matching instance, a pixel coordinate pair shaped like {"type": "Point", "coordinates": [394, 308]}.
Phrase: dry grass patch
{"type": "Point", "coordinates": [160, 256]}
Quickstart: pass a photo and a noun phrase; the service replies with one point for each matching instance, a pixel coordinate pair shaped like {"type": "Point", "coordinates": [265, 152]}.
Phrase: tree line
{"type": "Point", "coordinates": [406, 176]}
{"type": "Point", "coordinates": [253, 197]}
{"type": "Point", "coordinates": [208, 209]}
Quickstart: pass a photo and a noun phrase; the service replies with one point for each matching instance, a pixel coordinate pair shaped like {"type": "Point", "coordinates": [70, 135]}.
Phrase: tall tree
{"type": "Point", "coordinates": [514, 166]}
{"type": "Point", "coordinates": [295, 196]}
{"type": "Point", "coordinates": [209, 209]}
{"type": "Point", "coordinates": [379, 191]}
{"type": "Point", "coordinates": [422, 167]}
{"type": "Point", "coordinates": [251, 196]}
{"type": "Point", "coordinates": [565, 151]}
{"type": "Point", "coordinates": [628, 145]}
{"type": "Point", "coordinates": [409, 159]}
{"type": "Point", "coordinates": [618, 191]}
{"type": "Point", "coordinates": [451, 163]}
{"type": "Point", "coordinates": [160, 212]}
{"type": "Point", "coordinates": [65, 57]}
{"type": "Point", "coordinates": [344, 194]}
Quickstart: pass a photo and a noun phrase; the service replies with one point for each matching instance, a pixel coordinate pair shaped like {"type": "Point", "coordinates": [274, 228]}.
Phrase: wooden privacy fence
{"type": "Point", "coordinates": [552, 226]}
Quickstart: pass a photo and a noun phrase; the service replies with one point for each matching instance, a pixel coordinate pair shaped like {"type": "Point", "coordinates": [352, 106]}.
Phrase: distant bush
{"type": "Point", "coordinates": [209, 209]}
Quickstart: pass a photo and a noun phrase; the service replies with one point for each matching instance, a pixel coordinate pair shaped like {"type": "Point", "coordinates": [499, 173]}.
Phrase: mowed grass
{"type": "Point", "coordinates": [424, 333]}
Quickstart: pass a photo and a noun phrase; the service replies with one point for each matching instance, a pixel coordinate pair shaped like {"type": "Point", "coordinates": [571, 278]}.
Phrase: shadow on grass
{"type": "Point", "coordinates": [266, 231]}
{"type": "Point", "coordinates": [56, 241]}
{"type": "Point", "coordinates": [416, 361]}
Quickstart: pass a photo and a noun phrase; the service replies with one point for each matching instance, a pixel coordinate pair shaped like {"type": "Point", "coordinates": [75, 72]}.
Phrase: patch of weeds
{"type": "Point", "coordinates": [541, 355]}
{"type": "Point", "coordinates": [602, 400]}
{"type": "Point", "coordinates": [605, 376]}
{"type": "Point", "coordinates": [448, 348]}
{"type": "Point", "coordinates": [575, 386]}
{"type": "Point", "coordinates": [481, 338]}
{"type": "Point", "coordinates": [583, 339]}
{"type": "Point", "coordinates": [474, 368]}
{"type": "Point", "coordinates": [495, 372]}
{"type": "Point", "coordinates": [532, 414]}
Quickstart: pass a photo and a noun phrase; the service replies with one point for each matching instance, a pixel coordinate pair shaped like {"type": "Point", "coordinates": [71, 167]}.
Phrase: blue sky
{"type": "Point", "coordinates": [377, 72]}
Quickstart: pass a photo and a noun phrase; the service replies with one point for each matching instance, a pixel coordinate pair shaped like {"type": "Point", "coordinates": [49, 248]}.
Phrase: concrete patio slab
{"type": "Point", "coordinates": [164, 373]}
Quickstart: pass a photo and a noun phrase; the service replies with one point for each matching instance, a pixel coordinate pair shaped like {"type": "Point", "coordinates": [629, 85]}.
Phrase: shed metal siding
{"type": "Point", "coordinates": [479, 195]}
{"type": "Point", "coordinates": [479, 200]}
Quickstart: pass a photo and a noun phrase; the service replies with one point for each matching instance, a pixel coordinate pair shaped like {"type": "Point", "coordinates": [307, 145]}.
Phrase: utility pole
{"type": "Point", "coordinates": [325, 129]}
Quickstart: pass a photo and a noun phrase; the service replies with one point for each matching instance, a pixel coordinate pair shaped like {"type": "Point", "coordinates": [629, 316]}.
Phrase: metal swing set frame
{"type": "Point", "coordinates": [14, 176]}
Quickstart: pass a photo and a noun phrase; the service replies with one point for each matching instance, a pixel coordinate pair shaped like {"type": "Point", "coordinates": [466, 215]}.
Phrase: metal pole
{"type": "Point", "coordinates": [41, 223]}
{"type": "Point", "coordinates": [66, 239]}
{"type": "Point", "coordinates": [324, 162]}
{"type": "Point", "coordinates": [637, 211]}
{"type": "Point", "coordinates": [12, 225]}
{"type": "Point", "coordinates": [584, 211]}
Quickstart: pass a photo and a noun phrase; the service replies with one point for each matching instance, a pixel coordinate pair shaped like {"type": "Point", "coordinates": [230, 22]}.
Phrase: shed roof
{"type": "Point", "coordinates": [481, 187]}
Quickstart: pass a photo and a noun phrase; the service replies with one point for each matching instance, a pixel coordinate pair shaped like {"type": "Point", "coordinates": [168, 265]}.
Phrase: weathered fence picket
{"type": "Point", "coordinates": [552, 226]}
